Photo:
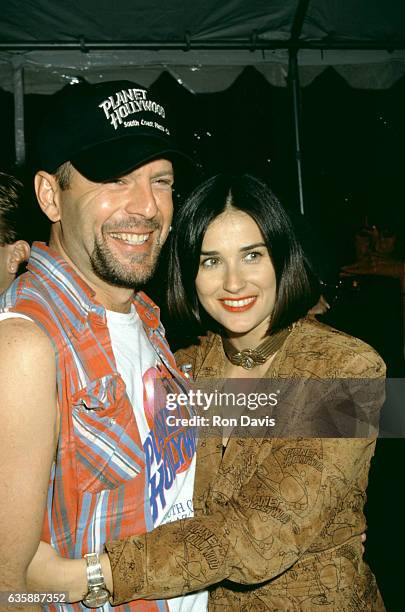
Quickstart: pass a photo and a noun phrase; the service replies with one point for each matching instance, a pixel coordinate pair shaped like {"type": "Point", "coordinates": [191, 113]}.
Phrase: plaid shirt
{"type": "Point", "coordinates": [97, 489]}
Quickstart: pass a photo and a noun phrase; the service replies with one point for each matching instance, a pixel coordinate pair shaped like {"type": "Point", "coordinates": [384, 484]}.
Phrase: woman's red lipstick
{"type": "Point", "coordinates": [238, 307]}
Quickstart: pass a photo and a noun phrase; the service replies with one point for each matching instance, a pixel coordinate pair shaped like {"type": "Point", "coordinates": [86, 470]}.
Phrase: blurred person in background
{"type": "Point", "coordinates": [13, 249]}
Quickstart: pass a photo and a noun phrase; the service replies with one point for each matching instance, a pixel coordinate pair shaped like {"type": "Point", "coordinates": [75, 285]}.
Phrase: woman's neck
{"type": "Point", "coordinates": [250, 339]}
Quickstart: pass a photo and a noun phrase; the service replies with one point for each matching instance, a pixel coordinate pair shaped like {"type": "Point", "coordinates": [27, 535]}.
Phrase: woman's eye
{"type": "Point", "coordinates": [253, 256]}
{"type": "Point", "coordinates": [209, 263]}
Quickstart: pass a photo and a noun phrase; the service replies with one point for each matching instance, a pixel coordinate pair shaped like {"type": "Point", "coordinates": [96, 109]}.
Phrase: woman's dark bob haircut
{"type": "Point", "coordinates": [297, 286]}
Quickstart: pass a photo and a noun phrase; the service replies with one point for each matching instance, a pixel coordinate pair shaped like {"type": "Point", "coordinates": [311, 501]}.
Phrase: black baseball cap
{"type": "Point", "coordinates": [106, 130]}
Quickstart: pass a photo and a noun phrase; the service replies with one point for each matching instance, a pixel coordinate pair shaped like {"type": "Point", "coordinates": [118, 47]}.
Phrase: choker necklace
{"type": "Point", "coordinates": [250, 358]}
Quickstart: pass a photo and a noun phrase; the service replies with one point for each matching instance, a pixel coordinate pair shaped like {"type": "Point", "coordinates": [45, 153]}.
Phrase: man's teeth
{"type": "Point", "coordinates": [131, 238]}
{"type": "Point", "coordinates": [239, 303]}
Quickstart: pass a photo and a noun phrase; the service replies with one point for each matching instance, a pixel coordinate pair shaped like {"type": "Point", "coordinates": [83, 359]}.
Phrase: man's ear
{"type": "Point", "coordinates": [47, 191]}
{"type": "Point", "coordinates": [18, 253]}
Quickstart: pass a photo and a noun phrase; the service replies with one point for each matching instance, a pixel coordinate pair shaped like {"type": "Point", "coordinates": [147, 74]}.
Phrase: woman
{"type": "Point", "coordinates": [277, 521]}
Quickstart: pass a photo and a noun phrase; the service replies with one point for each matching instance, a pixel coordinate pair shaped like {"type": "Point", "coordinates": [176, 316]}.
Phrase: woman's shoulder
{"type": "Point", "coordinates": [196, 352]}
{"type": "Point", "coordinates": [330, 352]}
{"type": "Point", "coordinates": [314, 332]}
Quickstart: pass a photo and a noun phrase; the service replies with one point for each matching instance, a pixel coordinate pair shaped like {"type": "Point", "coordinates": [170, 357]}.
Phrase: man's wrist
{"type": "Point", "coordinates": [97, 593]}
{"type": "Point", "coordinates": [74, 578]}
{"type": "Point", "coordinates": [106, 567]}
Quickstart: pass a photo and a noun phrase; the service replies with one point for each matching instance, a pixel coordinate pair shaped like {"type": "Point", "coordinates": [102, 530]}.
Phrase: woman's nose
{"type": "Point", "coordinates": [234, 279]}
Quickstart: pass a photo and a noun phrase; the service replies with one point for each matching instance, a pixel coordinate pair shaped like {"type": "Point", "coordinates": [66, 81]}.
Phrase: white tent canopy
{"type": "Point", "coordinates": [199, 71]}
{"type": "Point", "coordinates": [205, 45]}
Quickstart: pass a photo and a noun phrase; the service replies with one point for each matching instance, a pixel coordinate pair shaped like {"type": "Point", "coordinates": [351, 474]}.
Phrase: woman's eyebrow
{"type": "Point", "coordinates": [252, 246]}
{"type": "Point", "coordinates": [242, 249]}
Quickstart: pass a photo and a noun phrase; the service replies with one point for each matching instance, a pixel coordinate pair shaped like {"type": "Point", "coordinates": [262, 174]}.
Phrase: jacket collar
{"type": "Point", "coordinates": [74, 295]}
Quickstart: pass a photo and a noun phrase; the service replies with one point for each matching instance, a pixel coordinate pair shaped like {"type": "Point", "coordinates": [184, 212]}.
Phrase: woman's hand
{"type": "Point", "coordinates": [48, 572]}
{"type": "Point", "coordinates": [363, 540]}
{"type": "Point", "coordinates": [320, 307]}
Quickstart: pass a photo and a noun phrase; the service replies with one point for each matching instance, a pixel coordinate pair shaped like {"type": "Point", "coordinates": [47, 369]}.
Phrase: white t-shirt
{"type": "Point", "coordinates": [170, 491]}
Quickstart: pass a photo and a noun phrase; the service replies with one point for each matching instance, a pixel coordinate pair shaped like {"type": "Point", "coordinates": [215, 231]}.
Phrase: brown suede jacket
{"type": "Point", "coordinates": [277, 521]}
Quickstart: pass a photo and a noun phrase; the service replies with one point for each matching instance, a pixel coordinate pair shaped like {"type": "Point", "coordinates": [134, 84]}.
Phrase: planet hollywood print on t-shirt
{"type": "Point", "coordinates": [169, 453]}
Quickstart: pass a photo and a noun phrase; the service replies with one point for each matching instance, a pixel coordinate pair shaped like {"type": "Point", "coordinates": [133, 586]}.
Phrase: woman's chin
{"type": "Point", "coordinates": [238, 330]}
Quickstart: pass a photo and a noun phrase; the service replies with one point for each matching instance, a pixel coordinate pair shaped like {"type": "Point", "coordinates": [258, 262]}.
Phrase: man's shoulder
{"type": "Point", "coordinates": [23, 337]}
{"type": "Point", "coordinates": [24, 287]}
{"type": "Point", "coordinates": [27, 298]}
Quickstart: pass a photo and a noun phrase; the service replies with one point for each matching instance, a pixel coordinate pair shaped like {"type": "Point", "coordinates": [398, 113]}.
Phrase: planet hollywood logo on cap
{"type": "Point", "coordinates": [125, 103]}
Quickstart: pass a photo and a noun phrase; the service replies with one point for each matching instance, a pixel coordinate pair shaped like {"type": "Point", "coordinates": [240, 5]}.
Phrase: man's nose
{"type": "Point", "coordinates": [141, 201]}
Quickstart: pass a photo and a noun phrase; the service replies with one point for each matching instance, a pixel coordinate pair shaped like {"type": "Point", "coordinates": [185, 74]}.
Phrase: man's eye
{"type": "Point", "coordinates": [116, 181]}
{"type": "Point", "coordinates": [164, 182]}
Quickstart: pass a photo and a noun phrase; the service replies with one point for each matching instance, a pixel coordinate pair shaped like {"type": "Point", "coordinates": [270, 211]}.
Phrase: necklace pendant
{"type": "Point", "coordinates": [246, 358]}
{"type": "Point", "coordinates": [250, 358]}
{"type": "Point", "coordinates": [247, 362]}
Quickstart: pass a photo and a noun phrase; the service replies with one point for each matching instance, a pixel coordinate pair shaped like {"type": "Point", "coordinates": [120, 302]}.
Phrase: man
{"type": "Point", "coordinates": [83, 457]}
{"type": "Point", "coordinates": [13, 250]}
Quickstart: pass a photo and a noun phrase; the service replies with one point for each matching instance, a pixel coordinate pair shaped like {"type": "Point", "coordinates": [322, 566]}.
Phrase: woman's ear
{"type": "Point", "coordinates": [18, 253]}
{"type": "Point", "coordinates": [47, 191]}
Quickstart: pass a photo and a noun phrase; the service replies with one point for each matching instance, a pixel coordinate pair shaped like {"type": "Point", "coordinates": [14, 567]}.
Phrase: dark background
{"type": "Point", "coordinates": [353, 168]}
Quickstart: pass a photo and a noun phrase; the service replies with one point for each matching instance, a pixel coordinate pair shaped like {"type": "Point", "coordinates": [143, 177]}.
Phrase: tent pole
{"type": "Point", "coordinates": [294, 84]}
{"type": "Point", "coordinates": [206, 45]}
{"type": "Point", "coordinates": [19, 137]}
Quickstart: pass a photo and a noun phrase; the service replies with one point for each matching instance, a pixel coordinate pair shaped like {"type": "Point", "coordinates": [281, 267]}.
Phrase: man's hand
{"type": "Point", "coordinates": [28, 425]}
{"type": "Point", "coordinates": [49, 572]}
